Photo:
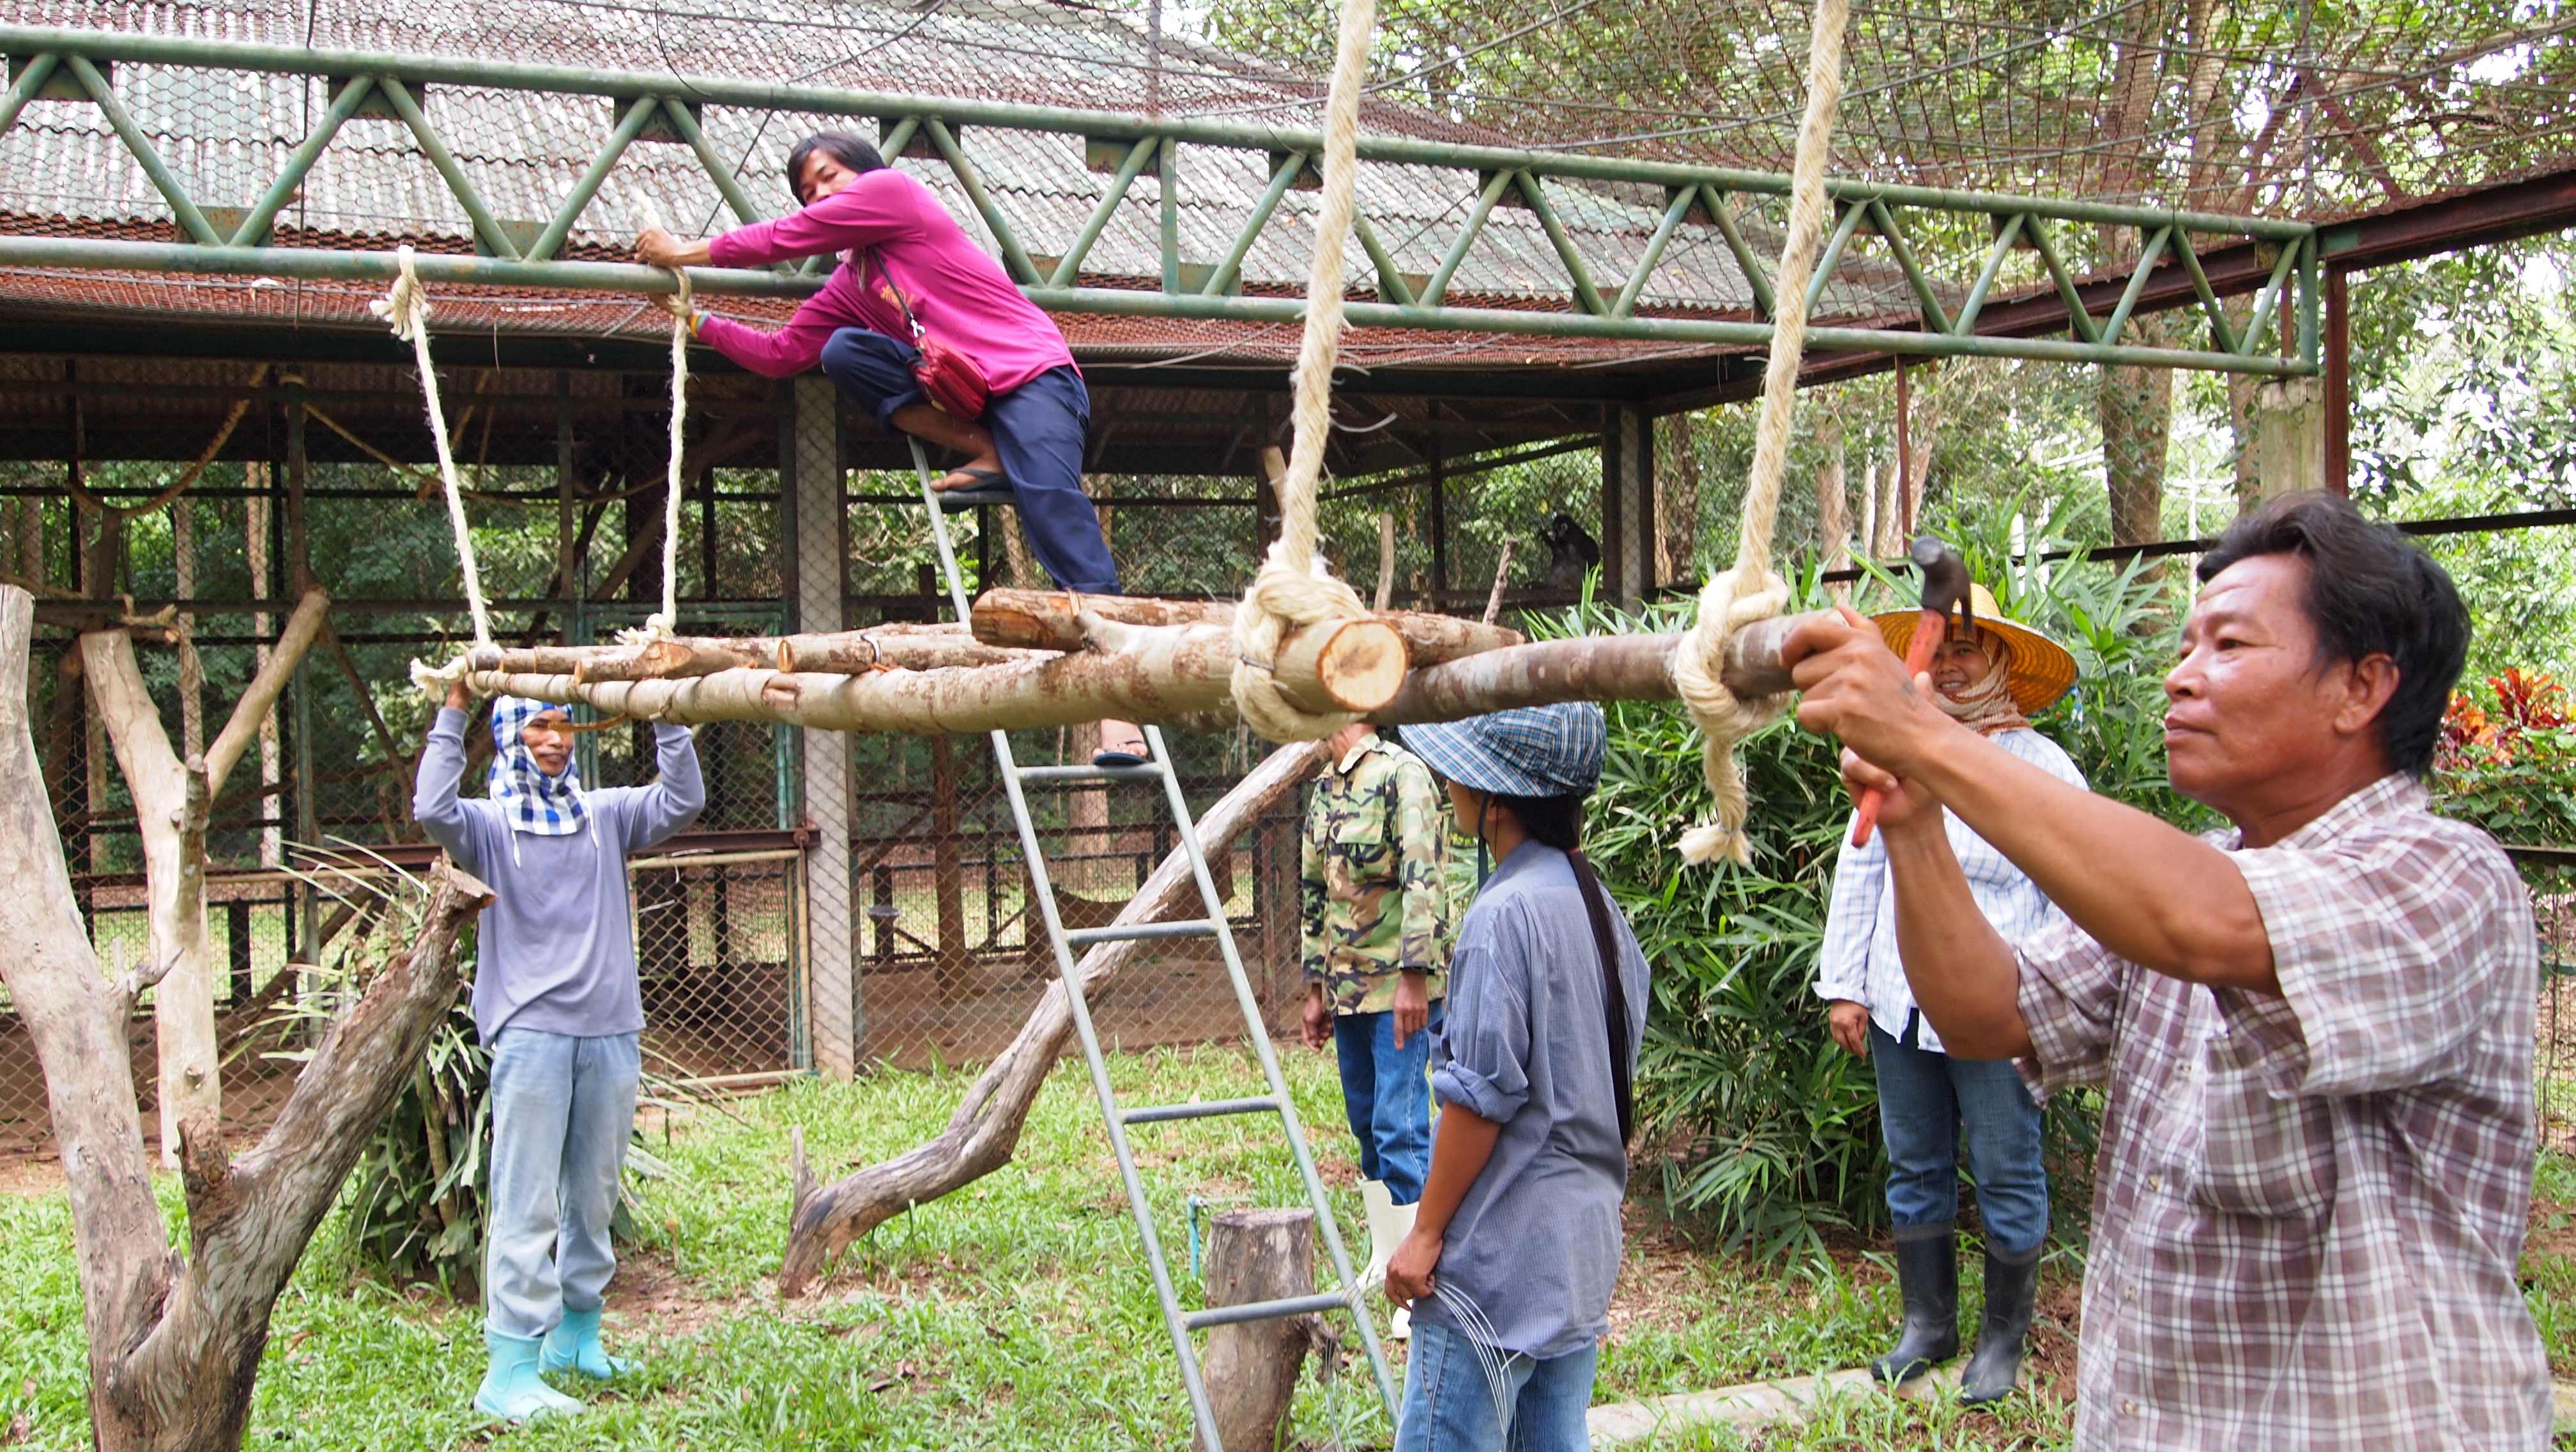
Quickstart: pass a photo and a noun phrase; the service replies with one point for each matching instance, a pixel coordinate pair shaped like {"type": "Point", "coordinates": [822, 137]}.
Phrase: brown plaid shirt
{"type": "Point", "coordinates": [2308, 1210]}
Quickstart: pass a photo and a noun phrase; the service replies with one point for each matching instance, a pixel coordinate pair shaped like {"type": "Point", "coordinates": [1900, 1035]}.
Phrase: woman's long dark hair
{"type": "Point", "coordinates": [842, 146]}
{"type": "Point", "coordinates": [1556, 821]}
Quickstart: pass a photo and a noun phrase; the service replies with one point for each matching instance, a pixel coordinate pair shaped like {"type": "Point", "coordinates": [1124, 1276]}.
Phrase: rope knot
{"type": "Point", "coordinates": [1732, 600]}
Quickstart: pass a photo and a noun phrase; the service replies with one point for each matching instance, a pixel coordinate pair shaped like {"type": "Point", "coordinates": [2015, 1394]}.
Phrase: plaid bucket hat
{"type": "Point", "coordinates": [1528, 751]}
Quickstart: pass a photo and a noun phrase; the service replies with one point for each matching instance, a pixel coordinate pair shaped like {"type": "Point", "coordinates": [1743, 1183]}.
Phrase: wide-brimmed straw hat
{"type": "Point", "coordinates": [2041, 670]}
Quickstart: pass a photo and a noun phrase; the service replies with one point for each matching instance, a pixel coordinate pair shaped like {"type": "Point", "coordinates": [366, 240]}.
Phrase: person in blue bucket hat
{"type": "Point", "coordinates": [557, 1002]}
{"type": "Point", "coordinates": [1516, 1243]}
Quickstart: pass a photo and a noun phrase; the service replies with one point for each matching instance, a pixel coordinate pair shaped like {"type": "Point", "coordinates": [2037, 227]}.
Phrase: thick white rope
{"type": "Point", "coordinates": [661, 626]}
{"type": "Point", "coordinates": [1750, 591]}
{"type": "Point", "coordinates": [405, 308]}
{"type": "Point", "coordinates": [1294, 588]}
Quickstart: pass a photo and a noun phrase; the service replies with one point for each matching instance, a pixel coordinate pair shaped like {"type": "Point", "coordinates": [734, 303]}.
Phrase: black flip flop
{"type": "Point", "coordinates": [1106, 756]}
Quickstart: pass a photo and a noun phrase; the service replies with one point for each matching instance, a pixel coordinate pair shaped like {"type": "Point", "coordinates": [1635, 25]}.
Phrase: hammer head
{"type": "Point", "coordinates": [1945, 577]}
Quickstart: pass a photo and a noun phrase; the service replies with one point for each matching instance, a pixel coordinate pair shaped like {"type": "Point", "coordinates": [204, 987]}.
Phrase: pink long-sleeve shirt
{"type": "Point", "coordinates": [959, 294]}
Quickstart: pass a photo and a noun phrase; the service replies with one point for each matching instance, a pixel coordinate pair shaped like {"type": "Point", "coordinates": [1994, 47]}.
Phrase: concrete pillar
{"type": "Point", "coordinates": [815, 519]}
{"type": "Point", "coordinates": [1627, 505]}
{"type": "Point", "coordinates": [2289, 436]}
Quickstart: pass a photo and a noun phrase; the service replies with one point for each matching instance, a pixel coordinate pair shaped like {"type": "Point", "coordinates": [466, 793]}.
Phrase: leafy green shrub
{"type": "Point", "coordinates": [2507, 759]}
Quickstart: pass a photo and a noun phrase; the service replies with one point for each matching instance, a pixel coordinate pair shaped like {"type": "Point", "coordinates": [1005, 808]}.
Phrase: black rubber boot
{"type": "Point", "coordinates": [1927, 1276]}
{"type": "Point", "coordinates": [1996, 1366]}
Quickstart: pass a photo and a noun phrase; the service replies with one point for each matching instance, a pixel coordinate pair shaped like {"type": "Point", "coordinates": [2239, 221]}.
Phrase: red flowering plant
{"type": "Point", "coordinates": [2507, 759]}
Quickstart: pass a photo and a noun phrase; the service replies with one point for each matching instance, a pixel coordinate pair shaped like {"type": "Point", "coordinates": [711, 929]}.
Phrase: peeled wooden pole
{"type": "Point", "coordinates": [1175, 675]}
{"type": "Point", "coordinates": [1135, 674]}
{"type": "Point", "coordinates": [1052, 620]}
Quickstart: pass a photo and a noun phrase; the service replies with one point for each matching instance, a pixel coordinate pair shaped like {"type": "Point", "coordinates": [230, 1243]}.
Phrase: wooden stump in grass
{"type": "Point", "coordinates": [1251, 1367]}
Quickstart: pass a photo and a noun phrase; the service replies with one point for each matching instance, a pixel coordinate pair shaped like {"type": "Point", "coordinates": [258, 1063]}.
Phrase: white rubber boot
{"type": "Point", "coordinates": [1389, 1224]}
{"type": "Point", "coordinates": [1381, 1214]}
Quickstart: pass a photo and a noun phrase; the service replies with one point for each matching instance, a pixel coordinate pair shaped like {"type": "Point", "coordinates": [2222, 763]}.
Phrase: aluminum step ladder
{"type": "Point", "coordinates": [1115, 1117]}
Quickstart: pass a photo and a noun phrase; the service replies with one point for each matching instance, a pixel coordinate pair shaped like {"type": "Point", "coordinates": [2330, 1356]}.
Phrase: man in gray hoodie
{"type": "Point", "coordinates": [556, 1001]}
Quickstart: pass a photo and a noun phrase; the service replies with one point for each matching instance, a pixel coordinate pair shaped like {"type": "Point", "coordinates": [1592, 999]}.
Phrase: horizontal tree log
{"type": "Point", "coordinates": [1052, 620]}
{"type": "Point", "coordinates": [1165, 674]}
{"type": "Point", "coordinates": [904, 646]}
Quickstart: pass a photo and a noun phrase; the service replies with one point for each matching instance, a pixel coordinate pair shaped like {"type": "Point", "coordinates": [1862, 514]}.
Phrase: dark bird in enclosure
{"type": "Point", "coordinates": [1571, 552]}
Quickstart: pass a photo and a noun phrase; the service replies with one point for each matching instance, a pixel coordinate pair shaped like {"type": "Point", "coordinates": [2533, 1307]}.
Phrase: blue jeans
{"type": "Point", "coordinates": [1450, 1401]}
{"type": "Point", "coordinates": [1386, 1091]}
{"type": "Point", "coordinates": [1924, 1099]}
{"type": "Point", "coordinates": [562, 1111]}
{"type": "Point", "coordinates": [1038, 430]}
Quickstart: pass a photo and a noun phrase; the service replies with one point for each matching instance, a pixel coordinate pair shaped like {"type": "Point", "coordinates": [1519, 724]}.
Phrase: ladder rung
{"type": "Point", "coordinates": [1156, 1114]}
{"type": "Point", "coordinates": [1263, 1311]}
{"type": "Point", "coordinates": [1136, 932]}
{"type": "Point", "coordinates": [957, 501]}
{"type": "Point", "coordinates": [1090, 773]}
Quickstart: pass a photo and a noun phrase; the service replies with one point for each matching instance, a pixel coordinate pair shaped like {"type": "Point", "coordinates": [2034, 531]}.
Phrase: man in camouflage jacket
{"type": "Point", "coordinates": [1376, 941]}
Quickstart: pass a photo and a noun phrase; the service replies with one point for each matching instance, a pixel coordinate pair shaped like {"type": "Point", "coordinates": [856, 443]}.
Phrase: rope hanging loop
{"type": "Point", "coordinates": [1294, 588]}
{"type": "Point", "coordinates": [662, 625]}
{"type": "Point", "coordinates": [405, 308]}
{"type": "Point", "coordinates": [1737, 597]}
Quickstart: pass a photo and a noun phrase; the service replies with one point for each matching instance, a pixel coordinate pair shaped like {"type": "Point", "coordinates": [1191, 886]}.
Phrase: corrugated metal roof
{"type": "Point", "coordinates": [227, 134]}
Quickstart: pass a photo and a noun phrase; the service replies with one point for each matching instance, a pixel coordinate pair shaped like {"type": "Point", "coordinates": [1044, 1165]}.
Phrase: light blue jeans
{"type": "Point", "coordinates": [562, 1111]}
{"type": "Point", "coordinates": [1924, 1100]}
{"type": "Point", "coordinates": [1386, 1094]}
{"type": "Point", "coordinates": [1450, 1402]}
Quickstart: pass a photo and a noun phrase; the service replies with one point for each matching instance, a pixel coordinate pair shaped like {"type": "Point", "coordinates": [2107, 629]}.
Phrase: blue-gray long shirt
{"type": "Point", "coordinates": [556, 949]}
{"type": "Point", "coordinates": [1535, 1244]}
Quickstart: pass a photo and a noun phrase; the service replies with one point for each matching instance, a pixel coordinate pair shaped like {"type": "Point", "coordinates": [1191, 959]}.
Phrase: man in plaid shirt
{"type": "Point", "coordinates": [2313, 1031]}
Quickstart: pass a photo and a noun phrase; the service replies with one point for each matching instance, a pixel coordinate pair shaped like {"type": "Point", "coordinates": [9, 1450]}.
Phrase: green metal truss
{"type": "Point", "coordinates": [2279, 338]}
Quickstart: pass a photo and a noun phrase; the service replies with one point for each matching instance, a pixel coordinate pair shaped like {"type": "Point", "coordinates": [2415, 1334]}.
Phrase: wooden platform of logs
{"type": "Point", "coordinates": [1039, 658]}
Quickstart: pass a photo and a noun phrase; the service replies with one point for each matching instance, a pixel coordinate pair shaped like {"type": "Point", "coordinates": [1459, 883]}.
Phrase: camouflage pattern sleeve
{"type": "Point", "coordinates": [1421, 825]}
{"type": "Point", "coordinates": [1311, 891]}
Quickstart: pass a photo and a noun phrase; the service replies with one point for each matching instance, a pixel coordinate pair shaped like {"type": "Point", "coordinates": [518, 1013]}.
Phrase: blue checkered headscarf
{"type": "Point", "coordinates": [533, 802]}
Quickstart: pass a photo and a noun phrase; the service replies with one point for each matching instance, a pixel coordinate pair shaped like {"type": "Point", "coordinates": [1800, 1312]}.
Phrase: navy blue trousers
{"type": "Point", "coordinates": [1038, 430]}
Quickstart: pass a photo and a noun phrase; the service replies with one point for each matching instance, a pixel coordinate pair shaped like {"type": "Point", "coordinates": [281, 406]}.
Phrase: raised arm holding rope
{"type": "Point", "coordinates": [911, 283]}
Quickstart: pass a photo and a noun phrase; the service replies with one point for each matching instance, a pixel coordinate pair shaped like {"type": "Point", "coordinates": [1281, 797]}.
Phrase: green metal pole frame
{"type": "Point", "coordinates": [435, 148]}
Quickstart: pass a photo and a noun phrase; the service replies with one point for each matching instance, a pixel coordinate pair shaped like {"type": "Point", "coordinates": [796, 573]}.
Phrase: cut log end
{"type": "Point", "coordinates": [1345, 665]}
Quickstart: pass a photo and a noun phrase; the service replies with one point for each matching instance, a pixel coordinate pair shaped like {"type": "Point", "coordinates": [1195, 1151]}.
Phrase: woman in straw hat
{"type": "Point", "coordinates": [1991, 676]}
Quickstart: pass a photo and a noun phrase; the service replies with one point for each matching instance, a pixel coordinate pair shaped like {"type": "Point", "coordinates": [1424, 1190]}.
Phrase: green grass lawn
{"type": "Point", "coordinates": [1015, 1314]}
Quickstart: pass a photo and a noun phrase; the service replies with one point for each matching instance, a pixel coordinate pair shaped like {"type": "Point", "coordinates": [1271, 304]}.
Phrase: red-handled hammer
{"type": "Point", "coordinates": [1945, 589]}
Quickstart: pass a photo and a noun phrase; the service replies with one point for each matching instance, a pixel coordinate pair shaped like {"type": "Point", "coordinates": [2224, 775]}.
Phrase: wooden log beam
{"type": "Point", "coordinates": [1052, 620]}
{"type": "Point", "coordinates": [907, 645]}
{"type": "Point", "coordinates": [1169, 674]}
{"type": "Point", "coordinates": [984, 1131]}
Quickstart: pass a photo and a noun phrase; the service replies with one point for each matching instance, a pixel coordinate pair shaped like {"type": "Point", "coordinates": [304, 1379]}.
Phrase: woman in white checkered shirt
{"type": "Point", "coordinates": [1991, 676]}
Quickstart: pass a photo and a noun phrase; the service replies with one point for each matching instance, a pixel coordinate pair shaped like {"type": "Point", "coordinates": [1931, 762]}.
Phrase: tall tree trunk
{"type": "Point", "coordinates": [175, 1336]}
{"type": "Point", "coordinates": [1677, 508]}
{"type": "Point", "coordinates": [1833, 522]}
{"type": "Point", "coordinates": [170, 797]}
{"type": "Point", "coordinates": [2136, 411]}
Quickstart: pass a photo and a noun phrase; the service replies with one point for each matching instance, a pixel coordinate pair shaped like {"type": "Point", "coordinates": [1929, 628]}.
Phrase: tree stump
{"type": "Point", "coordinates": [1251, 1368]}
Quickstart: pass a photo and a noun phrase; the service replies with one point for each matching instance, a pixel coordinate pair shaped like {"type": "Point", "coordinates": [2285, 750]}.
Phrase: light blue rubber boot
{"type": "Point", "coordinates": [574, 1346]}
{"type": "Point", "coordinates": [511, 1390]}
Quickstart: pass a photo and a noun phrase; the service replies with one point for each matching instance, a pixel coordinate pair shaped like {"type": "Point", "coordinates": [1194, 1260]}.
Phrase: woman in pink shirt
{"type": "Point", "coordinates": [901, 253]}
